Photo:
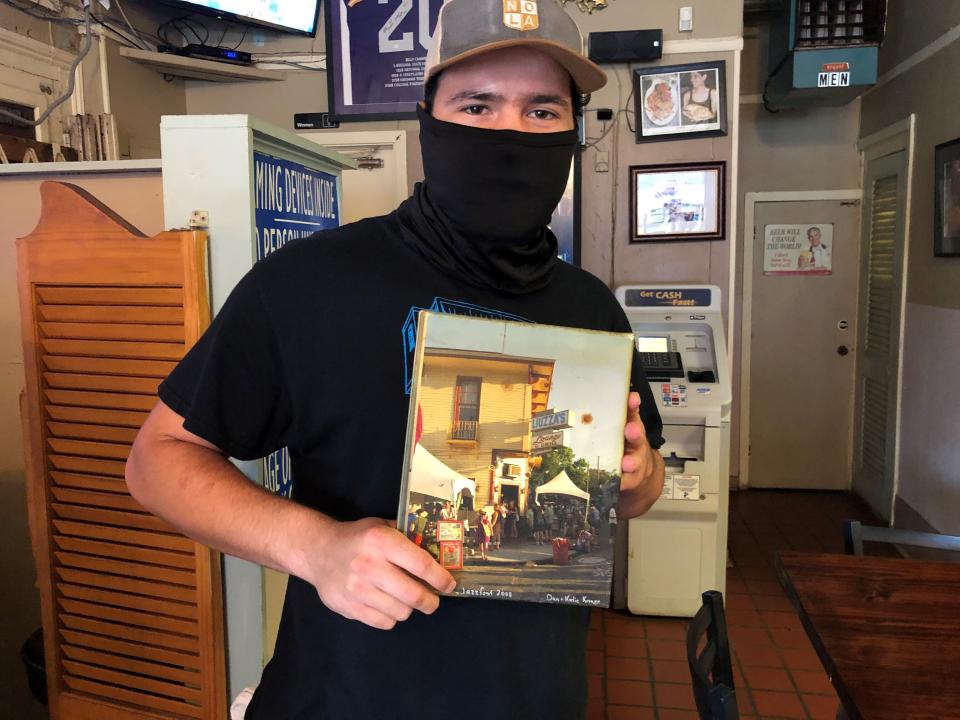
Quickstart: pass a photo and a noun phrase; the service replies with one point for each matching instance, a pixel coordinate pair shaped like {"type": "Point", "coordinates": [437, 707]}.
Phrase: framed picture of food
{"type": "Point", "coordinates": [946, 162]}
{"type": "Point", "coordinates": [680, 101]}
{"type": "Point", "coordinates": [679, 201]}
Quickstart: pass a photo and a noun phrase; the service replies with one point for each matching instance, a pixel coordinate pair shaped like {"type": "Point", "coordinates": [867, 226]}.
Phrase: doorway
{"type": "Point", "coordinates": [380, 184]}
{"type": "Point", "coordinates": [799, 339]}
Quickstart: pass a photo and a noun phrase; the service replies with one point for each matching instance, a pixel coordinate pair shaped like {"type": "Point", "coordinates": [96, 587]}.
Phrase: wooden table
{"type": "Point", "coordinates": [886, 630]}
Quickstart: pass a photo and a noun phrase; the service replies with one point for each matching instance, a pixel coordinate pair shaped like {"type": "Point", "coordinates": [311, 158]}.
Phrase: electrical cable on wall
{"type": "Point", "coordinates": [72, 73]}
{"type": "Point", "coordinates": [136, 34]}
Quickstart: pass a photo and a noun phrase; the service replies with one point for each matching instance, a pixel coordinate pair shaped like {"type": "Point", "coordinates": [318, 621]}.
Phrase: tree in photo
{"type": "Point", "coordinates": [556, 460]}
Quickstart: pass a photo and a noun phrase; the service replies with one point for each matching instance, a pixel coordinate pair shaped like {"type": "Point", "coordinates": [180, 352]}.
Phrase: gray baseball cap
{"type": "Point", "coordinates": [467, 28]}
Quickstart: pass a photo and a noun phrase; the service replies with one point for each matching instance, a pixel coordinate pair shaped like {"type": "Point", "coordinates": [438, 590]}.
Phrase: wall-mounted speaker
{"type": "Point", "coordinates": [625, 46]}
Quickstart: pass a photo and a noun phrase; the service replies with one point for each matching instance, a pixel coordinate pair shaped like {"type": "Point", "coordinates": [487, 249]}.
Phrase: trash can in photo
{"type": "Point", "coordinates": [561, 551]}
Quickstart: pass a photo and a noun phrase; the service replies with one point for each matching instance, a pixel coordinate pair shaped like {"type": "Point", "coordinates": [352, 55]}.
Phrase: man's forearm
{"type": "Point", "coordinates": [637, 501]}
{"type": "Point", "coordinates": [204, 496]}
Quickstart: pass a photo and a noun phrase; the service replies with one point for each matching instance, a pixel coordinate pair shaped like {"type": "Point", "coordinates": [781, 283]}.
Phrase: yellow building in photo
{"type": "Point", "coordinates": [476, 410]}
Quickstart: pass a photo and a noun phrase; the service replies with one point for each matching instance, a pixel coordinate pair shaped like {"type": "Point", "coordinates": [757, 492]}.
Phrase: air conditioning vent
{"type": "Point", "coordinates": [510, 470]}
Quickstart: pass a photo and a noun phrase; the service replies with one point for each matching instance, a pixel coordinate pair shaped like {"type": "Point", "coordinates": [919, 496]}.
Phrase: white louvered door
{"type": "Point", "coordinates": [874, 458]}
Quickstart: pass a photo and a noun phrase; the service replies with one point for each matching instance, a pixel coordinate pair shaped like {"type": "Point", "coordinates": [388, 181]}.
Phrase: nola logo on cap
{"type": "Point", "coordinates": [521, 14]}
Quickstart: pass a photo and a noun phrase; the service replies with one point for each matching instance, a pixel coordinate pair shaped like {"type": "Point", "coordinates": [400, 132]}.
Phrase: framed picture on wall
{"type": "Point", "coordinates": [680, 101]}
{"type": "Point", "coordinates": [946, 225]}
{"type": "Point", "coordinates": [376, 55]}
{"type": "Point", "coordinates": [680, 201]}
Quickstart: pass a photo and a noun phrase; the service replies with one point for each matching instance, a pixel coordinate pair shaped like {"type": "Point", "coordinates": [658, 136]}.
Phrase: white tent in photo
{"type": "Point", "coordinates": [562, 485]}
{"type": "Point", "coordinates": [429, 476]}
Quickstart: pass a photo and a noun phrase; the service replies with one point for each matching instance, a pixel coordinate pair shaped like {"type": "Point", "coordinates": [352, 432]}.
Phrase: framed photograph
{"type": "Point", "coordinates": [680, 101]}
{"type": "Point", "coordinates": [483, 389]}
{"type": "Point", "coordinates": [451, 555]}
{"type": "Point", "coordinates": [449, 531]}
{"type": "Point", "coordinates": [376, 54]}
{"type": "Point", "coordinates": [946, 225]}
{"type": "Point", "coordinates": [681, 201]}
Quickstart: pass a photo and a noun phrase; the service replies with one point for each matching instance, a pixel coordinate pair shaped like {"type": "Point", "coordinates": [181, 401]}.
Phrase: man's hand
{"type": "Point", "coordinates": [642, 468]}
{"type": "Point", "coordinates": [370, 572]}
{"type": "Point", "coordinates": [364, 570]}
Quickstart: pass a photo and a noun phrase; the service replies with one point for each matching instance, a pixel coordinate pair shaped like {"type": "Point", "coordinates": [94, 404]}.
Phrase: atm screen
{"type": "Point", "coordinates": [653, 345]}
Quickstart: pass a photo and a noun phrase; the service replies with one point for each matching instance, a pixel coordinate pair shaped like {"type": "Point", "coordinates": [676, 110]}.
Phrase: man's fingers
{"type": "Point", "coordinates": [419, 563]}
{"type": "Point", "coordinates": [407, 591]}
{"type": "Point", "coordinates": [373, 618]}
{"type": "Point", "coordinates": [384, 602]}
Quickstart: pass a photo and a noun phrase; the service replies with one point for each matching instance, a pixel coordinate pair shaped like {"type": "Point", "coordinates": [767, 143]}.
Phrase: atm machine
{"type": "Point", "coordinates": [678, 549]}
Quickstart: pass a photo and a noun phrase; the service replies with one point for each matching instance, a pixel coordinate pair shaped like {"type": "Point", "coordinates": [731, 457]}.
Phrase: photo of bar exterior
{"type": "Point", "coordinates": [514, 445]}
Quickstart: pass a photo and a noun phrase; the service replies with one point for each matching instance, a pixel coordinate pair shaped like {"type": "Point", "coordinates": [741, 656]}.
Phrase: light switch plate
{"type": "Point", "coordinates": [686, 19]}
{"type": "Point", "coordinates": [602, 162]}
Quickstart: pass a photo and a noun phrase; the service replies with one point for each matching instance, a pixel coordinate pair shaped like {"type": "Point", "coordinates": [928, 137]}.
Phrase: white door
{"type": "Point", "coordinates": [373, 191]}
{"type": "Point", "coordinates": [802, 338]}
{"type": "Point", "coordinates": [878, 341]}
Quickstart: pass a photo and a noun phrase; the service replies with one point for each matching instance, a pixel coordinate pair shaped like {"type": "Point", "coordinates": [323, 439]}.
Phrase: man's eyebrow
{"type": "Point", "coordinates": [489, 96]}
{"type": "Point", "coordinates": [482, 95]}
{"type": "Point", "coordinates": [547, 99]}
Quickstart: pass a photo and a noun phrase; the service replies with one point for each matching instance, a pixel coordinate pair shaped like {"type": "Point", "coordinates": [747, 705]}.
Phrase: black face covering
{"type": "Point", "coordinates": [488, 195]}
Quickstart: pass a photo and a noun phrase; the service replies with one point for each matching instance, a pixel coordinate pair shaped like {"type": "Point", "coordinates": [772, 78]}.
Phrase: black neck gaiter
{"type": "Point", "coordinates": [483, 209]}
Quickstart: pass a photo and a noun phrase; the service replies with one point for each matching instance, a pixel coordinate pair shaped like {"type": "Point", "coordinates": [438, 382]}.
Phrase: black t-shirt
{"type": "Point", "coordinates": [310, 352]}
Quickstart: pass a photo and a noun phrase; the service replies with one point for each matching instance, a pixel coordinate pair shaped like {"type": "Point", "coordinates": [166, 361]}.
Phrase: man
{"type": "Point", "coordinates": [319, 375]}
{"type": "Point", "coordinates": [819, 253]}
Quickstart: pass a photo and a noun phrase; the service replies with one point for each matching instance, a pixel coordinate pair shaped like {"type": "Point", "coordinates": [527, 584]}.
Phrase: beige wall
{"type": "Point", "coordinates": [931, 91]}
{"type": "Point", "coordinates": [929, 462]}
{"type": "Point", "coordinates": [914, 24]}
{"type": "Point", "coordinates": [137, 197]}
{"type": "Point", "coordinates": [62, 37]}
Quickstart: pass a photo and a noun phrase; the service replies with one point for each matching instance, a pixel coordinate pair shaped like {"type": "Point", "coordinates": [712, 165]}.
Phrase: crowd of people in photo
{"type": "Point", "coordinates": [503, 524]}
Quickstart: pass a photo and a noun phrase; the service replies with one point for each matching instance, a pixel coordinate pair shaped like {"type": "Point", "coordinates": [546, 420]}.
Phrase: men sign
{"type": "Point", "coordinates": [833, 79]}
{"type": "Point", "coordinates": [835, 74]}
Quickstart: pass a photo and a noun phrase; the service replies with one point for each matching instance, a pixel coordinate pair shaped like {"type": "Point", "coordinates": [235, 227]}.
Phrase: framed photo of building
{"type": "Point", "coordinates": [681, 201]}
{"type": "Point", "coordinates": [376, 54]}
{"type": "Point", "coordinates": [483, 390]}
{"type": "Point", "coordinates": [946, 226]}
{"type": "Point", "coordinates": [680, 101]}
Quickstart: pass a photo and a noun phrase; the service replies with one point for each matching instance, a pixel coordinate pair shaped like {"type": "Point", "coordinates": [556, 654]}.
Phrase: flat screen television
{"type": "Point", "coordinates": [292, 16]}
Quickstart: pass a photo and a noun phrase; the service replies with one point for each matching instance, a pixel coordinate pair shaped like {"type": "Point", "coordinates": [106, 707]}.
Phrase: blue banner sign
{"type": "Point", "coordinates": [668, 297]}
{"type": "Point", "coordinates": [290, 201]}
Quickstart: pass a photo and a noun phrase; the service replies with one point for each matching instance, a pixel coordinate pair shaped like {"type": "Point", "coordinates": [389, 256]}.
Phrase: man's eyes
{"type": "Point", "coordinates": [474, 109]}
{"type": "Point", "coordinates": [541, 114]}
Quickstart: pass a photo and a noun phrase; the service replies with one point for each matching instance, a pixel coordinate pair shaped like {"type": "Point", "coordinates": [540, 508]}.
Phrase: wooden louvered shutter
{"type": "Point", "coordinates": [132, 610]}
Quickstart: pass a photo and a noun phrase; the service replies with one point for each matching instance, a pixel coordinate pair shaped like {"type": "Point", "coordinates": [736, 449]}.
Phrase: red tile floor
{"type": "Point", "coordinates": [637, 665]}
